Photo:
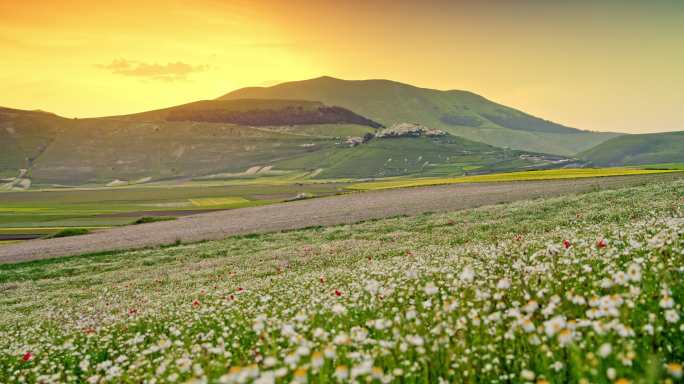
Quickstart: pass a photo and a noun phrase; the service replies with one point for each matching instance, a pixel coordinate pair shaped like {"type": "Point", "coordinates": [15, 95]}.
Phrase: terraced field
{"type": "Point", "coordinates": [579, 288]}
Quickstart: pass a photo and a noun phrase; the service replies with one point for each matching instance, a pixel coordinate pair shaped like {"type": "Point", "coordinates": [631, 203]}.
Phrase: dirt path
{"type": "Point", "coordinates": [332, 210]}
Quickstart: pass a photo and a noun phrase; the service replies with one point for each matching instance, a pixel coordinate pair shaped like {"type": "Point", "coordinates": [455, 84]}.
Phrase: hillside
{"type": "Point", "coordinates": [258, 112]}
{"type": "Point", "coordinates": [185, 141]}
{"type": "Point", "coordinates": [461, 113]}
{"type": "Point", "coordinates": [638, 149]}
{"type": "Point", "coordinates": [220, 139]}
{"type": "Point", "coordinates": [426, 154]}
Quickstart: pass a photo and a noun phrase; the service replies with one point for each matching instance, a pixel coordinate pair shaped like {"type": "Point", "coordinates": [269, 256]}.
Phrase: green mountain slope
{"type": "Point", "coordinates": [460, 113]}
{"type": "Point", "coordinates": [185, 141]}
{"type": "Point", "coordinates": [638, 149]}
{"type": "Point", "coordinates": [238, 138]}
{"type": "Point", "coordinates": [423, 156]}
{"type": "Point", "coordinates": [24, 136]}
{"type": "Point", "coordinates": [258, 112]}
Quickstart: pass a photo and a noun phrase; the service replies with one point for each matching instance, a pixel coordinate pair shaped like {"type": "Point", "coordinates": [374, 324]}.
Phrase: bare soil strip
{"type": "Point", "coordinates": [343, 209]}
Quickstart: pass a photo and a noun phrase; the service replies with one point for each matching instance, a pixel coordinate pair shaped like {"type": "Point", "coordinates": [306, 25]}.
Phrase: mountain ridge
{"type": "Point", "coordinates": [323, 127]}
{"type": "Point", "coordinates": [462, 113]}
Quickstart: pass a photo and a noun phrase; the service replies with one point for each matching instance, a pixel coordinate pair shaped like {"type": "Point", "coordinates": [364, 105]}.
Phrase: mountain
{"type": "Point", "coordinates": [219, 139]}
{"type": "Point", "coordinates": [410, 149]}
{"type": "Point", "coordinates": [638, 149]}
{"type": "Point", "coordinates": [184, 141]}
{"type": "Point", "coordinates": [460, 113]}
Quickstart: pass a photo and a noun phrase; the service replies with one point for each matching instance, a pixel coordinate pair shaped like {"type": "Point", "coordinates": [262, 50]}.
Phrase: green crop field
{"type": "Point", "coordinates": [663, 166]}
{"type": "Point", "coordinates": [44, 212]}
{"type": "Point", "coordinates": [583, 288]}
{"type": "Point", "coordinates": [552, 174]}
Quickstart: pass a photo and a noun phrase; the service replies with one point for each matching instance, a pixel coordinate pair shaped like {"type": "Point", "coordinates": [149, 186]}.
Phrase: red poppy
{"type": "Point", "coordinates": [338, 292]}
{"type": "Point", "coordinates": [196, 303]}
{"type": "Point", "coordinates": [602, 243]}
{"type": "Point", "coordinates": [566, 244]}
{"type": "Point", "coordinates": [27, 357]}
{"type": "Point", "coordinates": [240, 289]}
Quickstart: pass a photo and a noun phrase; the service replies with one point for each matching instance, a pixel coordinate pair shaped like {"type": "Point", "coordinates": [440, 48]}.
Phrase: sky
{"type": "Point", "coordinates": [597, 65]}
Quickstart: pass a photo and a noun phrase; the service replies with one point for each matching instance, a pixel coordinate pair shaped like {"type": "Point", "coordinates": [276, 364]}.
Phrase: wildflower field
{"type": "Point", "coordinates": [585, 288]}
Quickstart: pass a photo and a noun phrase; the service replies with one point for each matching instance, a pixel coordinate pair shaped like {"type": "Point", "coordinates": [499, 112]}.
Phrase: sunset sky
{"type": "Point", "coordinates": [606, 65]}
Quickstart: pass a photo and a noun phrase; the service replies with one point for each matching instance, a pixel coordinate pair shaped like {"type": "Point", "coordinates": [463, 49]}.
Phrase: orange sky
{"type": "Point", "coordinates": [614, 66]}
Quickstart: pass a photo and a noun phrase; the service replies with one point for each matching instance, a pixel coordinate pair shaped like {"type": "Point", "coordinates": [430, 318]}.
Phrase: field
{"type": "Point", "coordinates": [43, 212]}
{"type": "Point", "coordinates": [552, 174]}
{"type": "Point", "coordinates": [663, 166]}
{"type": "Point", "coordinates": [33, 214]}
{"type": "Point", "coordinates": [584, 288]}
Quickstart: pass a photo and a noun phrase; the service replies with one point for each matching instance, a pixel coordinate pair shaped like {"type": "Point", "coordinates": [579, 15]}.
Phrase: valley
{"type": "Point", "coordinates": [292, 141]}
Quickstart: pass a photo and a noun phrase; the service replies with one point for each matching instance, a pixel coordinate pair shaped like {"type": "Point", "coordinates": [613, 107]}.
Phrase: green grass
{"type": "Point", "coordinates": [678, 166]}
{"type": "Point", "coordinates": [152, 219]}
{"type": "Point", "coordinates": [667, 147]}
{"type": "Point", "coordinates": [68, 232]}
{"type": "Point", "coordinates": [553, 174]}
{"type": "Point", "coordinates": [26, 212]}
{"type": "Point", "coordinates": [425, 156]}
{"type": "Point", "coordinates": [483, 295]}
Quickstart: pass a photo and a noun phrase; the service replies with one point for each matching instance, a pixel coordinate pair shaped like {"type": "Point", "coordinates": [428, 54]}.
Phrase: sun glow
{"type": "Point", "coordinates": [571, 63]}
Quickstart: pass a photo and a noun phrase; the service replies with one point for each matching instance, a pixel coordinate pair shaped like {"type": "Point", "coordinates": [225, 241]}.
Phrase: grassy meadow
{"type": "Point", "coordinates": [44, 212]}
{"type": "Point", "coordinates": [663, 166]}
{"type": "Point", "coordinates": [584, 288]}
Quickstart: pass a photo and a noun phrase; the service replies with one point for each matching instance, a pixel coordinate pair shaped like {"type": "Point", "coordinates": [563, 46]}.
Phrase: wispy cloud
{"type": "Point", "coordinates": [165, 72]}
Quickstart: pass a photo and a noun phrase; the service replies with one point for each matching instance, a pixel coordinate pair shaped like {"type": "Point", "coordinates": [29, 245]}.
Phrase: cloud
{"type": "Point", "coordinates": [165, 72]}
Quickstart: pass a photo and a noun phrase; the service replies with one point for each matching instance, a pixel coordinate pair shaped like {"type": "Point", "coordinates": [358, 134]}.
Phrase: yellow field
{"type": "Point", "coordinates": [550, 174]}
{"type": "Point", "coordinates": [216, 201]}
{"type": "Point", "coordinates": [22, 209]}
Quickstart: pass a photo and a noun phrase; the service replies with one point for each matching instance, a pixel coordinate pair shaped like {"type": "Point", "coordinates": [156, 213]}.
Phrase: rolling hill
{"type": "Point", "coordinates": [461, 113]}
{"type": "Point", "coordinates": [219, 139]}
{"type": "Point", "coordinates": [427, 153]}
{"type": "Point", "coordinates": [185, 141]}
{"type": "Point", "coordinates": [319, 128]}
{"type": "Point", "coordinates": [638, 149]}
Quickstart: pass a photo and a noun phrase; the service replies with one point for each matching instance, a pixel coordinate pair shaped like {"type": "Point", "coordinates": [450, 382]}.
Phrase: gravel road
{"type": "Point", "coordinates": [349, 208]}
